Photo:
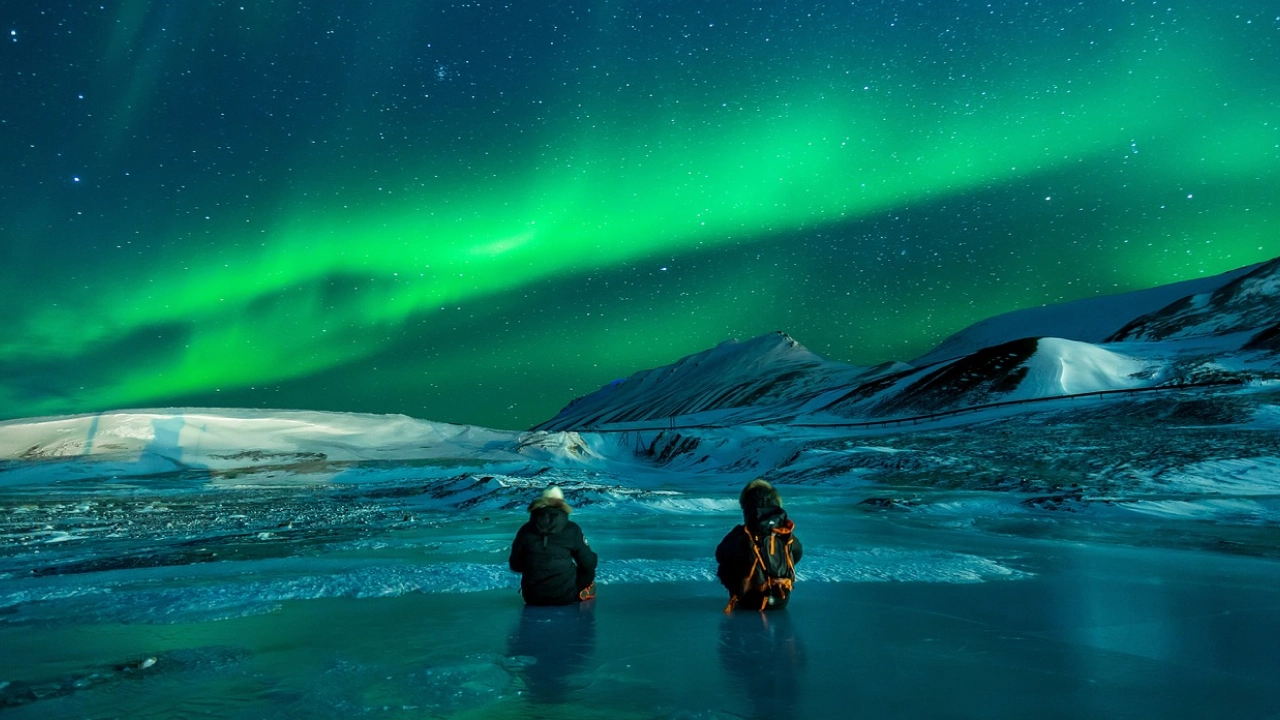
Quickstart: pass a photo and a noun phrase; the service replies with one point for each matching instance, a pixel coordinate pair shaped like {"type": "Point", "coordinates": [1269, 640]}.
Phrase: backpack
{"type": "Point", "coordinates": [773, 571]}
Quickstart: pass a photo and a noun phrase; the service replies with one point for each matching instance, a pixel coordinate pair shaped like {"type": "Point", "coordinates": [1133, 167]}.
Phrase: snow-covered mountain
{"type": "Point", "coordinates": [1201, 331]}
{"type": "Point", "coordinates": [760, 375]}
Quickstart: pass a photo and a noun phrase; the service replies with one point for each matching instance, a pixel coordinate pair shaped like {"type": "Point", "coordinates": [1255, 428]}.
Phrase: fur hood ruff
{"type": "Point", "coordinates": [550, 502]}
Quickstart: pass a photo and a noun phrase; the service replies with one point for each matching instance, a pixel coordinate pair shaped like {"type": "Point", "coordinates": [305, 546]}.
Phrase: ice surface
{"type": "Point", "coordinates": [883, 621]}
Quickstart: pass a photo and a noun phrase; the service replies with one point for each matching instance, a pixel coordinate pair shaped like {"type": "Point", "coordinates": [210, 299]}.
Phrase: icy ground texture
{"type": "Point", "coordinates": [972, 625]}
{"type": "Point", "coordinates": [1095, 557]}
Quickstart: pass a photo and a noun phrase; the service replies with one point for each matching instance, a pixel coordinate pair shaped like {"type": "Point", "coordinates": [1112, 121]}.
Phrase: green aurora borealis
{"type": "Point", "coordinates": [476, 211]}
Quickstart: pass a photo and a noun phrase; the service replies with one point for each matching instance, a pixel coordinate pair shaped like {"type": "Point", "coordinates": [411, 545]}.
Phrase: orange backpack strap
{"type": "Point", "coordinates": [755, 550]}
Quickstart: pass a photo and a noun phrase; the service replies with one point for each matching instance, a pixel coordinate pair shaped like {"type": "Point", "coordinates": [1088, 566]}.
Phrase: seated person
{"type": "Point", "coordinates": [556, 565]}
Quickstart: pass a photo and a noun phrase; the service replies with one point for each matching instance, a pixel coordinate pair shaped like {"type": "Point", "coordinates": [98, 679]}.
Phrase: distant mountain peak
{"type": "Point", "coordinates": [760, 343]}
{"type": "Point", "coordinates": [762, 371]}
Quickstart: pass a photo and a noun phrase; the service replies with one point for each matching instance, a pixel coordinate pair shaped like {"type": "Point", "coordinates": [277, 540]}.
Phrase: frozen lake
{"type": "Point", "coordinates": [890, 620]}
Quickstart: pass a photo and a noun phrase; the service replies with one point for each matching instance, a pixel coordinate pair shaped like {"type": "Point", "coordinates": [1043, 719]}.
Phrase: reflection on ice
{"type": "Point", "coordinates": [765, 659]}
{"type": "Point", "coordinates": [551, 647]}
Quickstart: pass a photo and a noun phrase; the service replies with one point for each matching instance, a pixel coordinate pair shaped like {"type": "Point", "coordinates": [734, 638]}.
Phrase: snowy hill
{"type": "Point", "coordinates": [254, 447]}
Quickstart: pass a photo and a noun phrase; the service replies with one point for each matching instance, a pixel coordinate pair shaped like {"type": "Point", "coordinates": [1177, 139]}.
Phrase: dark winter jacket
{"type": "Point", "coordinates": [552, 556]}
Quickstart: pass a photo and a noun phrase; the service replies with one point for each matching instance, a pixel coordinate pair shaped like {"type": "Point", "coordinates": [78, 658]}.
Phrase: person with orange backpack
{"type": "Point", "coordinates": [756, 561]}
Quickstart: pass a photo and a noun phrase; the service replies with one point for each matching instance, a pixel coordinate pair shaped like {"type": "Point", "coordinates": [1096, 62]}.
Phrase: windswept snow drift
{"type": "Point", "coordinates": [1067, 367]}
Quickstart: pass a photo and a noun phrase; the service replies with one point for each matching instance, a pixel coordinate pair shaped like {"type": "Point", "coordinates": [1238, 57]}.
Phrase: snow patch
{"type": "Point", "coordinates": [891, 564]}
{"type": "Point", "coordinates": [1266, 417]}
{"type": "Point", "coordinates": [1234, 510]}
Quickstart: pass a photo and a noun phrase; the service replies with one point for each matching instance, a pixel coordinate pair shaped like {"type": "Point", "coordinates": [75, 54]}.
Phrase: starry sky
{"type": "Point", "coordinates": [476, 211]}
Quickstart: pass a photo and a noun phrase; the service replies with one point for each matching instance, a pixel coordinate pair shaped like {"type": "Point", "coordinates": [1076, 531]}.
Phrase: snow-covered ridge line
{"type": "Point", "coordinates": [1091, 320]}
{"type": "Point", "coordinates": [1247, 303]}
{"type": "Point", "coordinates": [307, 445]}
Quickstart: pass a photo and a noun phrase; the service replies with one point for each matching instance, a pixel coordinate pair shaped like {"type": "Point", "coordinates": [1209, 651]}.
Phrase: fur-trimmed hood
{"type": "Point", "coordinates": [549, 514]}
{"type": "Point", "coordinates": [550, 502]}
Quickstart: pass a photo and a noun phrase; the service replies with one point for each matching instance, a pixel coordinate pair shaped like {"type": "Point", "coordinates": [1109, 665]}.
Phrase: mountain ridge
{"type": "Point", "coordinates": [1090, 320]}
{"type": "Point", "coordinates": [1225, 328]}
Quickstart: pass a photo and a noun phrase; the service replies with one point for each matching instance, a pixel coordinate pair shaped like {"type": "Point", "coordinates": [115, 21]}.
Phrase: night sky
{"type": "Point", "coordinates": [476, 211]}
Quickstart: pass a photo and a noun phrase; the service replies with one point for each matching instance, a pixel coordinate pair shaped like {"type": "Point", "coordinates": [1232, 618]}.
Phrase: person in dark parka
{"type": "Point", "coordinates": [766, 527]}
{"type": "Point", "coordinates": [556, 565]}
